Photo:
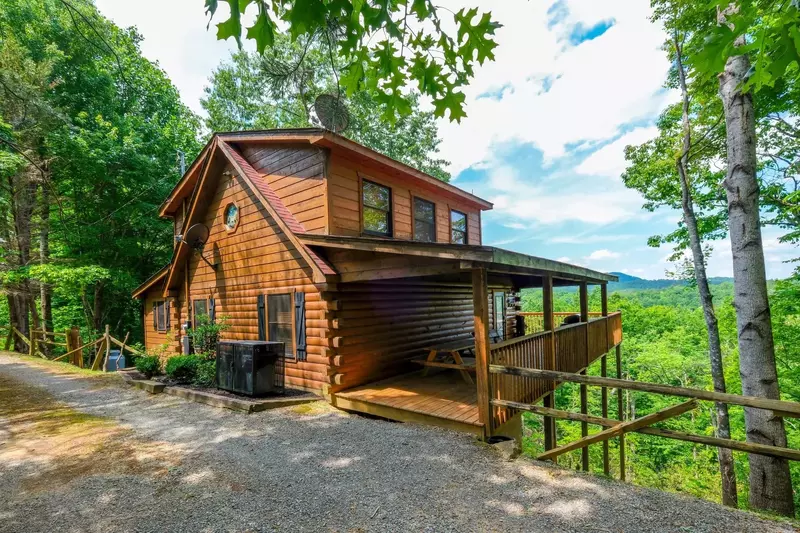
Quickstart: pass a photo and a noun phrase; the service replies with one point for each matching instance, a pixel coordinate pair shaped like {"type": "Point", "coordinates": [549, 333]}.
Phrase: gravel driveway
{"type": "Point", "coordinates": [87, 454]}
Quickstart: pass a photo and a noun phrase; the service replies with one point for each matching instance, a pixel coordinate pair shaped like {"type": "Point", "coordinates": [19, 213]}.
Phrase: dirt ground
{"type": "Point", "coordinates": [81, 452]}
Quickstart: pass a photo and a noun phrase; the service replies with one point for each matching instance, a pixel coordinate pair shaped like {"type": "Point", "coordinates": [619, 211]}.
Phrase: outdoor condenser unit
{"type": "Point", "coordinates": [254, 368]}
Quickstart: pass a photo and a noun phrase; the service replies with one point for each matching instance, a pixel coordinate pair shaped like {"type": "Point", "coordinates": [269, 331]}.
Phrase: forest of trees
{"type": "Point", "coordinates": [91, 135]}
{"type": "Point", "coordinates": [665, 342]}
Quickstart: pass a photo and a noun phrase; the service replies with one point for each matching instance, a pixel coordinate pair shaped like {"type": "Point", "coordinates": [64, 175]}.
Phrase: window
{"type": "Point", "coordinates": [279, 320]}
{"type": "Point", "coordinates": [424, 220]}
{"type": "Point", "coordinates": [204, 308]}
{"type": "Point", "coordinates": [160, 316]}
{"type": "Point", "coordinates": [500, 314]}
{"type": "Point", "coordinates": [458, 227]}
{"type": "Point", "coordinates": [377, 209]}
{"type": "Point", "coordinates": [282, 318]}
{"type": "Point", "coordinates": [231, 217]}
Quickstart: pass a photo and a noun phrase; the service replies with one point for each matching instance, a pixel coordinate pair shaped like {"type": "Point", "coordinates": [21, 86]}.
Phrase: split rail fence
{"type": "Point", "coordinates": [70, 340]}
{"type": "Point", "coordinates": [526, 370]}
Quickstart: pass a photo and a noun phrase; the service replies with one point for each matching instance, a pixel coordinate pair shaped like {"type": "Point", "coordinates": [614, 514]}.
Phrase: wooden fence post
{"type": "Point", "coordinates": [620, 415]}
{"type": "Point", "coordinates": [604, 370]}
{"type": "Point", "coordinates": [548, 321]}
{"type": "Point", "coordinates": [108, 348]}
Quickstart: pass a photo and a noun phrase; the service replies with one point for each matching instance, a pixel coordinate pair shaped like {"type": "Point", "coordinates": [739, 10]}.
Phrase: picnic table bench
{"type": "Point", "coordinates": [441, 355]}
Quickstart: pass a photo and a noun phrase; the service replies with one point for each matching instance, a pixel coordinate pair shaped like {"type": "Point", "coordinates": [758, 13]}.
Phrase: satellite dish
{"type": "Point", "coordinates": [196, 236]}
{"type": "Point", "coordinates": [332, 113]}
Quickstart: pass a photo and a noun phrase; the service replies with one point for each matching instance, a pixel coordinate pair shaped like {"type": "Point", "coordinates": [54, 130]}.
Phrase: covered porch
{"type": "Point", "coordinates": [439, 394]}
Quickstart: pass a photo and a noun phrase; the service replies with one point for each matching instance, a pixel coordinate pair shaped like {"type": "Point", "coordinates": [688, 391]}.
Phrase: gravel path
{"type": "Point", "coordinates": [158, 463]}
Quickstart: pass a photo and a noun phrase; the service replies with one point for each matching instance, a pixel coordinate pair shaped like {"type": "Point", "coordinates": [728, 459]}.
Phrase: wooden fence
{"type": "Point", "coordinates": [99, 349]}
{"type": "Point", "coordinates": [569, 348]}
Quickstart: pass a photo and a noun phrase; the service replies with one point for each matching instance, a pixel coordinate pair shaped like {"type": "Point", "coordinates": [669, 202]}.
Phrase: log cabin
{"type": "Point", "coordinates": [372, 273]}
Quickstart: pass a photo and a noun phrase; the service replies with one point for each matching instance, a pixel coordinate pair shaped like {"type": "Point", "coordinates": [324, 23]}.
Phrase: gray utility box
{"type": "Point", "coordinates": [253, 368]}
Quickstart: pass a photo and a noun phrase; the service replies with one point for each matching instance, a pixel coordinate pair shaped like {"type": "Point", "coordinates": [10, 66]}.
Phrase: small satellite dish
{"type": "Point", "coordinates": [332, 113]}
{"type": "Point", "coordinates": [196, 237]}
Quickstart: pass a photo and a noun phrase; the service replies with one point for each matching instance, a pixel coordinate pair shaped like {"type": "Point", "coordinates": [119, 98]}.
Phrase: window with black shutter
{"type": "Point", "coordinates": [280, 320]}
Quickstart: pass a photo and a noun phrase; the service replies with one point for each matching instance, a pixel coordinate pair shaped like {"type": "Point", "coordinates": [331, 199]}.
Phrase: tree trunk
{"type": "Point", "coordinates": [45, 290]}
{"type": "Point", "coordinates": [724, 455]}
{"type": "Point", "coordinates": [770, 482]}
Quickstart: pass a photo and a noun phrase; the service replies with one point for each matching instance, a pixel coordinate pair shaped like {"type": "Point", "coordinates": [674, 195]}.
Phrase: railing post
{"type": "Point", "coordinates": [480, 310]}
{"type": "Point", "coordinates": [604, 370]}
{"type": "Point", "coordinates": [550, 358]}
{"type": "Point", "coordinates": [584, 301]}
{"type": "Point", "coordinates": [620, 415]}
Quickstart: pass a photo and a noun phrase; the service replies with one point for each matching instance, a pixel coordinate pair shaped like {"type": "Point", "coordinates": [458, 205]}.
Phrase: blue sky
{"type": "Point", "coordinates": [574, 82]}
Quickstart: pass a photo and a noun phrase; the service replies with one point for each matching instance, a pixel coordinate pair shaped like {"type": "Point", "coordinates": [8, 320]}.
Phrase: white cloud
{"type": "Point", "coordinates": [594, 91]}
{"type": "Point", "coordinates": [610, 159]}
{"type": "Point", "coordinates": [563, 259]}
{"type": "Point", "coordinates": [602, 254]}
{"type": "Point", "coordinates": [175, 36]}
{"type": "Point", "coordinates": [588, 239]}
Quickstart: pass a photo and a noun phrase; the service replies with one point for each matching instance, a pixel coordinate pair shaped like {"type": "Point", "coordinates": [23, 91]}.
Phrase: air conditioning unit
{"type": "Point", "coordinates": [253, 368]}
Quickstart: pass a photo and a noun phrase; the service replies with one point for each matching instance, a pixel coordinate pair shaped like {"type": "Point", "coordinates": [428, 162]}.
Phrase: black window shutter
{"type": "Point", "coordinates": [300, 324]}
{"type": "Point", "coordinates": [155, 316]}
{"type": "Point", "coordinates": [212, 311]}
{"type": "Point", "coordinates": [167, 312]}
{"type": "Point", "coordinates": [262, 319]}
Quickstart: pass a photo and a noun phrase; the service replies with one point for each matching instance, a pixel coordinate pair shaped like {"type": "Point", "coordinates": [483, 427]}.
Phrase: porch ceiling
{"type": "Point", "coordinates": [468, 256]}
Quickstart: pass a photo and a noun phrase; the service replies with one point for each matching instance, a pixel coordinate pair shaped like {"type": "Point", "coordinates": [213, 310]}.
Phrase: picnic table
{"type": "Point", "coordinates": [448, 355]}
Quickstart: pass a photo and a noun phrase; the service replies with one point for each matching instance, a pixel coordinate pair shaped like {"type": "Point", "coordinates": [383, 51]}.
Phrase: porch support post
{"type": "Point", "coordinates": [480, 307]}
{"type": "Point", "coordinates": [550, 358]}
{"type": "Point", "coordinates": [620, 415]}
{"type": "Point", "coordinates": [584, 301]}
{"type": "Point", "coordinates": [604, 371]}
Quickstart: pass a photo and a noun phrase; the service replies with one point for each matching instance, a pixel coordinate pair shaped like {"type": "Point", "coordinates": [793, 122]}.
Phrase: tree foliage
{"type": "Point", "coordinates": [383, 45]}
{"type": "Point", "coordinates": [277, 90]}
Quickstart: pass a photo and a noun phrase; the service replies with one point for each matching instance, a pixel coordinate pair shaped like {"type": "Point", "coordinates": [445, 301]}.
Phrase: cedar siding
{"type": "Point", "coordinates": [297, 175]}
{"type": "Point", "coordinates": [254, 259]}
{"type": "Point", "coordinates": [344, 197]}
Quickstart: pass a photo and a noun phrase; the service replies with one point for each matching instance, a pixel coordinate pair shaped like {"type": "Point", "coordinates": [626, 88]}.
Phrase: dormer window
{"type": "Point", "coordinates": [377, 209]}
{"type": "Point", "coordinates": [424, 220]}
{"type": "Point", "coordinates": [458, 227]}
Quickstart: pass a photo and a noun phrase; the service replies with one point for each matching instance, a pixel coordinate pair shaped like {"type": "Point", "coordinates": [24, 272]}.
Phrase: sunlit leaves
{"type": "Point", "coordinates": [385, 46]}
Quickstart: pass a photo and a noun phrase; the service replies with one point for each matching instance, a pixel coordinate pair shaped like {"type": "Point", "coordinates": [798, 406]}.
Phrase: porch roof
{"type": "Point", "coordinates": [494, 259]}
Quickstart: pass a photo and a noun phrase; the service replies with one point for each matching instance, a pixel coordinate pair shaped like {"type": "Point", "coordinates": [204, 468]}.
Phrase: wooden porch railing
{"type": "Point", "coordinates": [574, 348]}
{"type": "Point", "coordinates": [534, 321]}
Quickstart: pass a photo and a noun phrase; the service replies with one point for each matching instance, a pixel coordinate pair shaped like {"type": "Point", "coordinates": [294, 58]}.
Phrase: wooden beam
{"type": "Point", "coordinates": [549, 423]}
{"type": "Point", "coordinates": [622, 427]}
{"type": "Point", "coordinates": [548, 319]}
{"type": "Point", "coordinates": [620, 414]}
{"type": "Point", "coordinates": [740, 446]}
{"type": "Point", "coordinates": [480, 310]}
{"type": "Point", "coordinates": [787, 409]}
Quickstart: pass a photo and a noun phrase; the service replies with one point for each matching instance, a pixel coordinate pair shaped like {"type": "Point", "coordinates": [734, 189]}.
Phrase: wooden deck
{"type": "Point", "coordinates": [441, 398]}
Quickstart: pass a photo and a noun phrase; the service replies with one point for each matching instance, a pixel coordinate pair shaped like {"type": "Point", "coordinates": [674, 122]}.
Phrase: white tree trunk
{"type": "Point", "coordinates": [770, 482]}
{"type": "Point", "coordinates": [723, 428]}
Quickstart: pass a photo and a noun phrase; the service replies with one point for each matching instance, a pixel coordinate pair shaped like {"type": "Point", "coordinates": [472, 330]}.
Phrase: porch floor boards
{"type": "Point", "coordinates": [441, 395]}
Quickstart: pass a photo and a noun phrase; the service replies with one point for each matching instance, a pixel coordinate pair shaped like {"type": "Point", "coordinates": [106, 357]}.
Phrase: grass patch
{"type": "Point", "coordinates": [313, 408]}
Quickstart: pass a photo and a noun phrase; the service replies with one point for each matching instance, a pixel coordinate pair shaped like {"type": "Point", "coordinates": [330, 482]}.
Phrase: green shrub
{"type": "Point", "coordinates": [149, 365]}
{"type": "Point", "coordinates": [183, 368]}
{"type": "Point", "coordinates": [206, 375]}
{"type": "Point", "coordinates": [205, 334]}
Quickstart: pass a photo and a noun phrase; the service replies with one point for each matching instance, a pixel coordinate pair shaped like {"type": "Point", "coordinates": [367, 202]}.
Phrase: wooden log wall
{"type": "Point", "coordinates": [382, 325]}
{"type": "Point", "coordinates": [297, 175]}
{"type": "Point", "coordinates": [344, 186]}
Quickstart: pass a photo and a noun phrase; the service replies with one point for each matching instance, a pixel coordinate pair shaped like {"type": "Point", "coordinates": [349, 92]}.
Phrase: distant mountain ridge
{"type": "Point", "coordinates": [626, 281]}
